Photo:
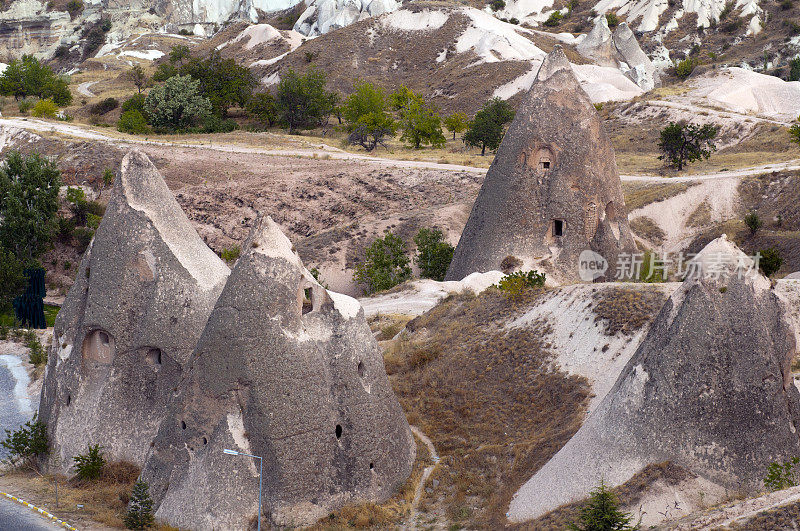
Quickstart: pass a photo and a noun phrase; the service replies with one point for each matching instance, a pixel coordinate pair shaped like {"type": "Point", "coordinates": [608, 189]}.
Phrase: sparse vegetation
{"type": "Point", "coordinates": [782, 475]}
{"type": "Point", "coordinates": [231, 254]}
{"type": "Point", "coordinates": [554, 19]}
{"type": "Point", "coordinates": [626, 310]}
{"type": "Point", "coordinates": [434, 254]}
{"type": "Point", "coordinates": [385, 265]}
{"type": "Point", "coordinates": [104, 106]}
{"type": "Point", "coordinates": [27, 444]}
{"type": "Point", "coordinates": [262, 107]}
{"type": "Point", "coordinates": [612, 19]}
{"type": "Point", "coordinates": [37, 355]}
{"type": "Point", "coordinates": [682, 143]}
{"type": "Point", "coordinates": [45, 109]}
{"type": "Point", "coordinates": [684, 68]}
{"type": "Point", "coordinates": [515, 285]}
{"type": "Point", "coordinates": [648, 229]}
{"type": "Point", "coordinates": [133, 122]}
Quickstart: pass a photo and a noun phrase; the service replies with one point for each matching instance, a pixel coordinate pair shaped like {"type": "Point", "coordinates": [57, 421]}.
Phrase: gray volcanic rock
{"type": "Point", "coordinates": [141, 298]}
{"type": "Point", "coordinates": [288, 371]}
{"type": "Point", "coordinates": [710, 389]}
{"type": "Point", "coordinates": [599, 43]}
{"type": "Point", "coordinates": [553, 190]}
{"type": "Point", "coordinates": [642, 70]}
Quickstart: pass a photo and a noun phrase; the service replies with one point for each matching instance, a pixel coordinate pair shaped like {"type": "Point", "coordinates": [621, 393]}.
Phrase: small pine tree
{"type": "Point", "coordinates": [770, 261]}
{"type": "Point", "coordinates": [140, 508]}
{"type": "Point", "coordinates": [602, 513]}
{"type": "Point", "coordinates": [90, 465]}
{"type": "Point", "coordinates": [753, 222]}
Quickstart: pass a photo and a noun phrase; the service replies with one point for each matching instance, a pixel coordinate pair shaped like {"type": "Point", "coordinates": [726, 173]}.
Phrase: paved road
{"type": "Point", "coordinates": [15, 407]}
{"type": "Point", "coordinates": [20, 518]}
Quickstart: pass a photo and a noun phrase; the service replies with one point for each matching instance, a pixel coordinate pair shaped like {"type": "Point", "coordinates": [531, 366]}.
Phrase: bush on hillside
{"type": "Point", "coordinates": [385, 266]}
{"type": "Point", "coordinates": [27, 444]}
{"type": "Point", "coordinates": [602, 513]}
{"type": "Point", "coordinates": [90, 465]}
{"type": "Point", "coordinates": [302, 101]}
{"type": "Point", "coordinates": [685, 68]}
{"type": "Point", "coordinates": [104, 106]}
{"type": "Point", "coordinates": [45, 109]}
{"type": "Point", "coordinates": [554, 19]}
{"type": "Point", "coordinates": [753, 221]}
{"type": "Point", "coordinates": [433, 254]}
{"type": "Point", "coordinates": [177, 104]}
{"type": "Point", "coordinates": [770, 261]}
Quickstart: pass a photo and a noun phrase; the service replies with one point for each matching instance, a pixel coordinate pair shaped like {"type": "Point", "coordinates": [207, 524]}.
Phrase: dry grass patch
{"type": "Point", "coordinates": [701, 217]}
{"type": "Point", "coordinates": [781, 518]}
{"type": "Point", "coordinates": [387, 326]}
{"type": "Point", "coordinates": [104, 500]}
{"type": "Point", "coordinates": [489, 398]}
{"type": "Point", "coordinates": [647, 228]}
{"type": "Point", "coordinates": [626, 310]}
{"type": "Point", "coordinates": [640, 194]}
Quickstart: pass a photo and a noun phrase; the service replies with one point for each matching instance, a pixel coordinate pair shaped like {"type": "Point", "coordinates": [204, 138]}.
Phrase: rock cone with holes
{"type": "Point", "coordinates": [553, 190]}
{"type": "Point", "coordinates": [290, 372]}
{"type": "Point", "coordinates": [143, 293]}
{"type": "Point", "coordinates": [709, 389]}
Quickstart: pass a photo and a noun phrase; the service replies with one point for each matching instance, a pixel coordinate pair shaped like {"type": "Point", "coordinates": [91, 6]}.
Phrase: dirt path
{"type": "Point", "coordinates": [425, 473]}
{"type": "Point", "coordinates": [84, 89]}
{"type": "Point", "coordinates": [86, 133]}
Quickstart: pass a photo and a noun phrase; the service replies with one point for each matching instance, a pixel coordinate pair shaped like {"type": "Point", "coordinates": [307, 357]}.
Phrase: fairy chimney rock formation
{"type": "Point", "coordinates": [143, 292]}
{"type": "Point", "coordinates": [710, 389]}
{"type": "Point", "coordinates": [599, 43]}
{"type": "Point", "coordinates": [290, 372]}
{"type": "Point", "coordinates": [553, 190]}
{"type": "Point", "coordinates": [642, 70]}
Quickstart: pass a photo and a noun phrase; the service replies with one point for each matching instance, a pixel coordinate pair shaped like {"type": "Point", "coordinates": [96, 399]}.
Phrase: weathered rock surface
{"type": "Point", "coordinates": [288, 371]}
{"type": "Point", "coordinates": [710, 389]}
{"type": "Point", "coordinates": [619, 50]}
{"type": "Point", "coordinates": [553, 189]}
{"type": "Point", "coordinates": [141, 298]}
{"type": "Point", "coordinates": [322, 16]}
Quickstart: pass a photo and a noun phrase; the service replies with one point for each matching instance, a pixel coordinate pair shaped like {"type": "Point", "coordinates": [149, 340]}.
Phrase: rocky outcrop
{"type": "Point", "coordinates": [322, 16]}
{"type": "Point", "coordinates": [142, 295]}
{"type": "Point", "coordinates": [619, 50]}
{"type": "Point", "coordinates": [290, 372]}
{"type": "Point", "coordinates": [710, 389]}
{"type": "Point", "coordinates": [553, 190]}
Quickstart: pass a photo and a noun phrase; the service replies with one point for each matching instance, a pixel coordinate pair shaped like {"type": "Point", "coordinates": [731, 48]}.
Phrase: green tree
{"type": "Point", "coordinates": [28, 204]}
{"type": "Point", "coordinates": [28, 77]}
{"type": "Point", "coordinates": [682, 143]}
{"type": "Point", "coordinates": [753, 222]}
{"type": "Point", "coordinates": [770, 261]}
{"type": "Point", "coordinates": [486, 130]}
{"type": "Point", "coordinates": [90, 465]}
{"type": "Point", "coordinates": [139, 77]}
{"type": "Point", "coordinates": [177, 104]}
{"type": "Point", "coordinates": [140, 508]}
{"type": "Point", "coordinates": [12, 279]}
{"type": "Point", "coordinates": [456, 123]}
{"type": "Point", "coordinates": [262, 107]}
{"type": "Point", "coordinates": [27, 444]}
{"type": "Point", "coordinates": [400, 98]}
{"type": "Point", "coordinates": [421, 125]}
{"type": "Point", "coordinates": [433, 253]}
{"type": "Point", "coordinates": [45, 109]}
{"type": "Point", "coordinates": [367, 117]}
{"type": "Point", "coordinates": [602, 513]}
{"type": "Point", "coordinates": [302, 100]}
{"type": "Point", "coordinates": [386, 264]}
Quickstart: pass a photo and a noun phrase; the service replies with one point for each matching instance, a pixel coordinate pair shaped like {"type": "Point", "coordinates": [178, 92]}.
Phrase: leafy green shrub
{"type": "Point", "coordinates": [456, 123]}
{"type": "Point", "coordinates": [753, 222]}
{"type": "Point", "coordinates": [497, 5]}
{"type": "Point", "coordinates": [38, 355]}
{"type": "Point", "coordinates": [27, 444]}
{"type": "Point", "coordinates": [215, 124]}
{"type": "Point", "coordinates": [45, 109]}
{"type": "Point", "coordinates": [386, 264]}
{"type": "Point", "coordinates": [685, 68]}
{"type": "Point", "coordinates": [134, 103]}
{"type": "Point", "coordinates": [770, 261]}
{"type": "Point", "coordinates": [516, 284]}
{"type": "Point", "coordinates": [794, 133]}
{"type": "Point", "coordinates": [104, 106]}
{"type": "Point", "coordinates": [83, 236]}
{"type": "Point", "coordinates": [601, 513]}
{"type": "Point", "coordinates": [90, 465]}
{"type": "Point", "coordinates": [177, 104]}
{"type": "Point", "coordinates": [74, 7]}
{"type": "Point", "coordinates": [782, 476]}
{"type": "Point", "coordinates": [108, 177]}
{"type": "Point", "coordinates": [433, 253]}
{"type": "Point", "coordinates": [140, 508]}
{"type": "Point", "coordinates": [612, 19]}
{"type": "Point", "coordinates": [133, 122]}
{"type": "Point", "coordinates": [231, 254]}
{"type": "Point", "coordinates": [554, 19]}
